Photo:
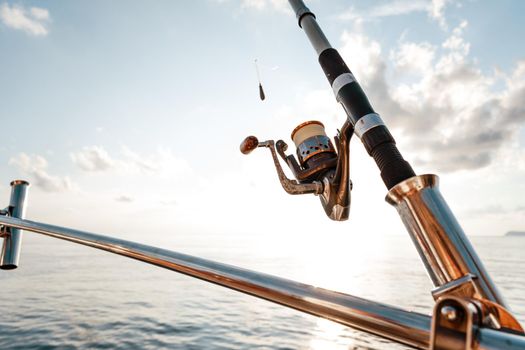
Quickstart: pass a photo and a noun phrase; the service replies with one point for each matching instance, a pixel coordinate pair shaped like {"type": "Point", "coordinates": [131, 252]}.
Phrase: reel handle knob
{"type": "Point", "coordinates": [249, 144]}
{"type": "Point", "coordinates": [281, 145]}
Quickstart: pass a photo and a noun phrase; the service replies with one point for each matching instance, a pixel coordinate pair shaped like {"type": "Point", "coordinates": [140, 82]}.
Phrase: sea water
{"type": "Point", "coordinates": [65, 296]}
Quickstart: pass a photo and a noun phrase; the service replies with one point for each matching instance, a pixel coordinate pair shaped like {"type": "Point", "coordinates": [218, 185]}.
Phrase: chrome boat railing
{"type": "Point", "coordinates": [402, 326]}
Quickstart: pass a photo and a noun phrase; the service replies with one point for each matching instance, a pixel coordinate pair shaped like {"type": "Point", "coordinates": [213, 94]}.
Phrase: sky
{"type": "Point", "coordinates": [126, 116]}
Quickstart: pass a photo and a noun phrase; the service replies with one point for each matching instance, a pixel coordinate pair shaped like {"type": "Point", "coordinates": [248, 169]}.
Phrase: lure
{"type": "Point", "coordinates": [261, 91]}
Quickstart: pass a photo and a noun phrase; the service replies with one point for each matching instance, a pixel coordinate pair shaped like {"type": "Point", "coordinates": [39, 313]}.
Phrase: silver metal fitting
{"type": "Point", "coordinates": [450, 313]}
{"type": "Point", "coordinates": [366, 123]}
{"type": "Point", "coordinates": [314, 145]}
{"type": "Point", "coordinates": [340, 81]}
{"type": "Point", "coordinates": [454, 324]}
{"type": "Point", "coordinates": [303, 11]}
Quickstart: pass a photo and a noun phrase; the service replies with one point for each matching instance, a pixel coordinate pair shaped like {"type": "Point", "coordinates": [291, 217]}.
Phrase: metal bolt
{"type": "Point", "coordinates": [449, 312]}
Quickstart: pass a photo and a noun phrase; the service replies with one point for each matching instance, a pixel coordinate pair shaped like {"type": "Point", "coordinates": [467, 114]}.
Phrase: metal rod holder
{"type": "Point", "coordinates": [442, 245]}
{"type": "Point", "coordinates": [450, 259]}
{"type": "Point", "coordinates": [10, 254]}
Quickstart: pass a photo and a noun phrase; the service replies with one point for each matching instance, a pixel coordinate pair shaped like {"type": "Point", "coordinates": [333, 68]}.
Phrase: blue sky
{"type": "Point", "coordinates": [127, 115]}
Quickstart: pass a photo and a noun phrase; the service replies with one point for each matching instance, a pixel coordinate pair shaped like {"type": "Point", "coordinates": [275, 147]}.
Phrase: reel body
{"type": "Point", "coordinates": [322, 169]}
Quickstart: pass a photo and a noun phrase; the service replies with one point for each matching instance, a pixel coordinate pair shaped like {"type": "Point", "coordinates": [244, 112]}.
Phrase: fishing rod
{"type": "Point", "coordinates": [367, 124]}
{"type": "Point", "coordinates": [469, 312]}
{"type": "Point", "coordinates": [323, 170]}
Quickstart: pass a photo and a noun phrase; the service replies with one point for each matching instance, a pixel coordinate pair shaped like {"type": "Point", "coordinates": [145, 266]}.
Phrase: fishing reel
{"type": "Point", "coordinates": [322, 169]}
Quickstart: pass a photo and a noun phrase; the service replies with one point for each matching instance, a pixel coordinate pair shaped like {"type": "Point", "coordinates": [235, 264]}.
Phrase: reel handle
{"type": "Point", "coordinates": [249, 144]}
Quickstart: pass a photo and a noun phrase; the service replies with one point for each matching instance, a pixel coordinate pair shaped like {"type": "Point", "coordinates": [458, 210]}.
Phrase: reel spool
{"type": "Point", "coordinates": [314, 149]}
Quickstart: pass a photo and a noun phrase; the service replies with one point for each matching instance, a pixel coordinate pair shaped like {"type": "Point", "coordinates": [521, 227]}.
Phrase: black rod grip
{"type": "Point", "coordinates": [381, 146]}
{"type": "Point", "coordinates": [394, 169]}
{"type": "Point", "coordinates": [378, 141]}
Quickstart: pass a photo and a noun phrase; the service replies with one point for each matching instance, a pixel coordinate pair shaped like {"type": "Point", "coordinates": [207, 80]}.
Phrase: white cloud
{"type": "Point", "coordinates": [33, 21]}
{"type": "Point", "coordinates": [162, 162]}
{"type": "Point", "coordinates": [255, 4]}
{"type": "Point", "coordinates": [412, 57]}
{"type": "Point", "coordinates": [456, 42]}
{"type": "Point", "coordinates": [124, 199]}
{"type": "Point", "coordinates": [449, 116]}
{"type": "Point", "coordinates": [277, 5]}
{"type": "Point", "coordinates": [364, 53]}
{"type": "Point", "coordinates": [453, 115]}
{"type": "Point", "coordinates": [39, 13]}
{"type": "Point", "coordinates": [434, 8]}
{"type": "Point", "coordinates": [144, 163]}
{"type": "Point", "coordinates": [93, 158]}
{"type": "Point", "coordinates": [131, 183]}
{"type": "Point", "coordinates": [437, 11]}
{"type": "Point", "coordinates": [35, 166]}
{"type": "Point", "coordinates": [399, 7]}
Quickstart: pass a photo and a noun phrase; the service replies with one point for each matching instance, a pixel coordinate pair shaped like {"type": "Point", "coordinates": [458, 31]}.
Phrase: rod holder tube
{"type": "Point", "coordinates": [10, 254]}
{"type": "Point", "coordinates": [440, 241]}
